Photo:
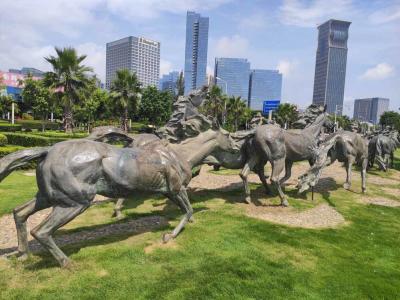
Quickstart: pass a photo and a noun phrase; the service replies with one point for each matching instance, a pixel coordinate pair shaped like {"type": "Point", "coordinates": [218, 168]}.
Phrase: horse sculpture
{"type": "Point", "coordinates": [344, 146]}
{"type": "Point", "coordinates": [381, 149]}
{"type": "Point", "coordinates": [71, 173]}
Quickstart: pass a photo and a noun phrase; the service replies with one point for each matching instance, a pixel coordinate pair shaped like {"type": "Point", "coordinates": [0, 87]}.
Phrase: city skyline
{"type": "Point", "coordinates": [280, 35]}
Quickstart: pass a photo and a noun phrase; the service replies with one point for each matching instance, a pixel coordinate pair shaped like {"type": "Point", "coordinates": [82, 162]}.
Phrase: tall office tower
{"type": "Point", "coordinates": [137, 54]}
{"type": "Point", "coordinates": [370, 109]}
{"type": "Point", "coordinates": [264, 85]}
{"type": "Point", "coordinates": [195, 51]}
{"type": "Point", "coordinates": [232, 76]}
{"type": "Point", "coordinates": [330, 66]}
{"type": "Point", "coordinates": [168, 82]}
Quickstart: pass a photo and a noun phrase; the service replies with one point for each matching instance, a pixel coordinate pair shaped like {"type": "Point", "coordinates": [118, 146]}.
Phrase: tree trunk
{"type": "Point", "coordinates": [68, 120]}
{"type": "Point", "coordinates": [124, 121]}
{"type": "Point", "coordinates": [43, 123]}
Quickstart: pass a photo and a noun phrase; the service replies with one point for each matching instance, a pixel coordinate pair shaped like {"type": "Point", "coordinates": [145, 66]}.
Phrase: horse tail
{"type": "Point", "coordinates": [20, 158]}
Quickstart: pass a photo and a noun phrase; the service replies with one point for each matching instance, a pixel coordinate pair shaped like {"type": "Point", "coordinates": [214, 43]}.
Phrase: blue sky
{"type": "Point", "coordinates": [271, 34]}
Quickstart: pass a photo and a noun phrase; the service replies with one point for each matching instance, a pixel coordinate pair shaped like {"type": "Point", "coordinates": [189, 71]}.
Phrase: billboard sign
{"type": "Point", "coordinates": [269, 105]}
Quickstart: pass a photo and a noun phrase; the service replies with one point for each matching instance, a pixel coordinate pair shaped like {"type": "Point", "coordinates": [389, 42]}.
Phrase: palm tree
{"type": "Point", "coordinates": [67, 78]}
{"type": "Point", "coordinates": [236, 109]}
{"type": "Point", "coordinates": [286, 114]}
{"type": "Point", "coordinates": [125, 91]}
{"type": "Point", "coordinates": [215, 105]}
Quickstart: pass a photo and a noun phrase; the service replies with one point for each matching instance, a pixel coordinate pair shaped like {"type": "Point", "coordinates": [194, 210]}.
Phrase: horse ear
{"type": "Point", "coordinates": [215, 124]}
{"type": "Point", "coordinates": [325, 108]}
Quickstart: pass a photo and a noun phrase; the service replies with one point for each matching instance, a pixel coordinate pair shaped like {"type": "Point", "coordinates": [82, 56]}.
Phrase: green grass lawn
{"type": "Point", "coordinates": [222, 255]}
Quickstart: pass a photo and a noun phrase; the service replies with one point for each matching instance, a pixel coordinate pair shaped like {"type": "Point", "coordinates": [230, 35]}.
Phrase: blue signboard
{"type": "Point", "coordinates": [270, 105]}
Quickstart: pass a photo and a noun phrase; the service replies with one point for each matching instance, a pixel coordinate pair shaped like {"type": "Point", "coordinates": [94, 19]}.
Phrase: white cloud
{"type": "Point", "coordinates": [96, 57]}
{"type": "Point", "coordinates": [286, 67]}
{"type": "Point", "coordinates": [386, 15]}
{"type": "Point", "coordinates": [380, 71]}
{"type": "Point", "coordinates": [306, 14]}
{"type": "Point", "coordinates": [234, 46]}
{"type": "Point", "coordinates": [255, 21]}
{"type": "Point", "coordinates": [152, 8]}
{"type": "Point", "coordinates": [165, 67]}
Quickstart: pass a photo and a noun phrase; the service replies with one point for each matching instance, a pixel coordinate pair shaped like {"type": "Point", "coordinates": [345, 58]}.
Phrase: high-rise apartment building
{"type": "Point", "coordinates": [232, 76]}
{"type": "Point", "coordinates": [330, 66]}
{"type": "Point", "coordinates": [370, 109]}
{"type": "Point", "coordinates": [168, 82]}
{"type": "Point", "coordinates": [264, 85]}
{"type": "Point", "coordinates": [137, 54]}
{"type": "Point", "coordinates": [195, 51]}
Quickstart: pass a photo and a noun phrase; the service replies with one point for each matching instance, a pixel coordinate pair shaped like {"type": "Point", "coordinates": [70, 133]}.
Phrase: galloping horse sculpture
{"type": "Point", "coordinates": [71, 173]}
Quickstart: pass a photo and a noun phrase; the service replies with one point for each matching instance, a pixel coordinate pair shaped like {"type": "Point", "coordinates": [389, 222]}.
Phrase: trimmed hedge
{"type": "Point", "coordinates": [5, 150]}
{"type": "Point", "coordinates": [37, 124]}
{"type": "Point", "coordinates": [10, 127]}
{"type": "Point", "coordinates": [59, 134]}
{"type": "Point", "coordinates": [30, 140]}
{"type": "Point", "coordinates": [3, 140]}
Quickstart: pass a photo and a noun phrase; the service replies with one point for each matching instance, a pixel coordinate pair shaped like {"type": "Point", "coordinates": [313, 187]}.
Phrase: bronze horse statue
{"type": "Point", "coordinates": [71, 173]}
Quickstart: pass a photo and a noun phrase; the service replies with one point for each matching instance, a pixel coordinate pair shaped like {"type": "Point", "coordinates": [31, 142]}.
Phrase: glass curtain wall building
{"type": "Point", "coordinates": [168, 82]}
{"type": "Point", "coordinates": [232, 76]}
{"type": "Point", "coordinates": [196, 51]}
{"type": "Point", "coordinates": [264, 85]}
{"type": "Point", "coordinates": [330, 66]}
{"type": "Point", "coordinates": [137, 54]}
{"type": "Point", "coordinates": [370, 109]}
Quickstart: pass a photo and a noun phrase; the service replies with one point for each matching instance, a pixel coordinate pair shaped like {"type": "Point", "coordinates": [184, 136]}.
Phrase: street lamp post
{"type": "Point", "coordinates": [336, 111]}
{"type": "Point", "coordinates": [226, 92]}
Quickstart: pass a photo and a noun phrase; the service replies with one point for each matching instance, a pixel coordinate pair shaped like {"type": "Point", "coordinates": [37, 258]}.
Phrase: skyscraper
{"type": "Point", "coordinates": [137, 54]}
{"type": "Point", "coordinates": [168, 82]}
{"type": "Point", "coordinates": [232, 75]}
{"type": "Point", "coordinates": [195, 51]}
{"type": "Point", "coordinates": [370, 109]}
{"type": "Point", "coordinates": [330, 66]}
{"type": "Point", "coordinates": [264, 85]}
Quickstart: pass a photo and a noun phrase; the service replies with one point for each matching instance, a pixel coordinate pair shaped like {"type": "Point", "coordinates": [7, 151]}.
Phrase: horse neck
{"type": "Point", "coordinates": [314, 129]}
{"type": "Point", "coordinates": [194, 150]}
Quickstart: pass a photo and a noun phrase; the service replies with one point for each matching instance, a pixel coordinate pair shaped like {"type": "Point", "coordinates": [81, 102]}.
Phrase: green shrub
{"type": "Point", "coordinates": [5, 150]}
{"type": "Point", "coordinates": [37, 124]}
{"type": "Point", "coordinates": [26, 116]}
{"type": "Point", "coordinates": [10, 127]}
{"type": "Point", "coordinates": [31, 140]}
{"type": "Point", "coordinates": [3, 140]}
{"type": "Point", "coordinates": [60, 134]}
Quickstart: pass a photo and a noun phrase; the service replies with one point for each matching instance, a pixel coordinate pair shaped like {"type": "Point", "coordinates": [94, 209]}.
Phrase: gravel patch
{"type": "Point", "coordinates": [321, 216]}
{"type": "Point", "coordinates": [381, 201]}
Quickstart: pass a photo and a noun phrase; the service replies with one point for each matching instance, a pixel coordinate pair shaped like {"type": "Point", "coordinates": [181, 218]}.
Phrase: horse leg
{"type": "Point", "coordinates": [183, 202]}
{"type": "Point", "coordinates": [277, 168]}
{"type": "Point", "coordinates": [244, 174]}
{"type": "Point", "coordinates": [349, 164]}
{"type": "Point", "coordinates": [60, 216]}
{"type": "Point", "coordinates": [263, 179]}
{"type": "Point", "coordinates": [118, 207]}
{"type": "Point", "coordinates": [288, 171]}
{"type": "Point", "coordinates": [364, 175]}
{"type": "Point", "coordinates": [21, 214]}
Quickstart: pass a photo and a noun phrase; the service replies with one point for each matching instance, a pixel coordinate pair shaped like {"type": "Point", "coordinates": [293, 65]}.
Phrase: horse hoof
{"type": "Point", "coordinates": [191, 219]}
{"type": "Point", "coordinates": [167, 237]}
{"type": "Point", "coordinates": [364, 191]}
{"type": "Point", "coordinates": [285, 203]}
{"type": "Point", "coordinates": [346, 186]}
{"type": "Point", "coordinates": [66, 263]}
{"type": "Point", "coordinates": [22, 256]}
{"type": "Point", "coordinates": [248, 200]}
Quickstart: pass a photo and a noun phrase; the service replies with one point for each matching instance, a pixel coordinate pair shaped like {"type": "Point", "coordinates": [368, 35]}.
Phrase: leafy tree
{"type": "Point", "coordinates": [41, 107]}
{"type": "Point", "coordinates": [215, 104]}
{"type": "Point", "coordinates": [390, 118]}
{"type": "Point", "coordinates": [236, 109]}
{"type": "Point", "coordinates": [67, 78]}
{"type": "Point", "coordinates": [155, 106]}
{"type": "Point", "coordinates": [343, 122]}
{"type": "Point", "coordinates": [5, 104]}
{"type": "Point", "coordinates": [125, 91]}
{"type": "Point", "coordinates": [286, 114]}
{"type": "Point", "coordinates": [180, 85]}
